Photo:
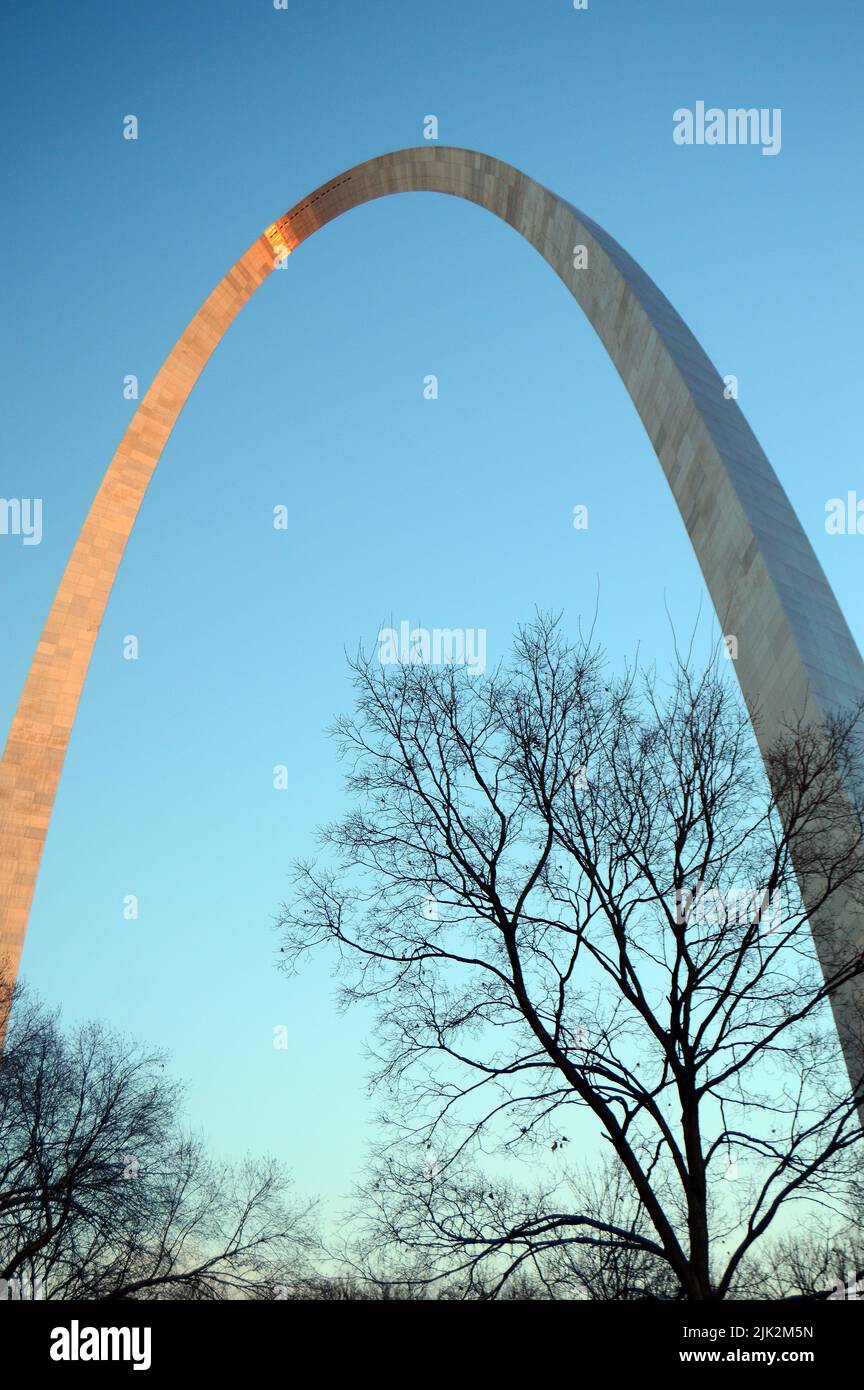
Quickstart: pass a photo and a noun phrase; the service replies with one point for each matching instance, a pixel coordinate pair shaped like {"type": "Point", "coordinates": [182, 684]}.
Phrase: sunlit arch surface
{"type": "Point", "coordinates": [796, 655]}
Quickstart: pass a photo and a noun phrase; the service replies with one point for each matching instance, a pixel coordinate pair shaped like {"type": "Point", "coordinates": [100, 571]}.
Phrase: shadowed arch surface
{"type": "Point", "coordinates": [796, 655]}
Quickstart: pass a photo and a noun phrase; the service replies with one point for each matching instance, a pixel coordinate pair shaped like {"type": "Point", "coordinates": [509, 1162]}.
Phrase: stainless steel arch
{"type": "Point", "coordinates": [796, 655]}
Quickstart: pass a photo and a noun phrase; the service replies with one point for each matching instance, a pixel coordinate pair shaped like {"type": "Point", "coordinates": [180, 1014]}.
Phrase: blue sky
{"type": "Point", "coordinates": [450, 513]}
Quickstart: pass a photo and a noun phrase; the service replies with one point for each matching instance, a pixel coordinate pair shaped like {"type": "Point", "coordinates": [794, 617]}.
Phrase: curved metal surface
{"type": "Point", "coordinates": [796, 655]}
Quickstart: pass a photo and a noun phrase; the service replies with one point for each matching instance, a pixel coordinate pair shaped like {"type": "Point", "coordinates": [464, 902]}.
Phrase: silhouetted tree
{"type": "Point", "coordinates": [102, 1193]}
{"type": "Point", "coordinates": [572, 902]}
{"type": "Point", "coordinates": [820, 1257]}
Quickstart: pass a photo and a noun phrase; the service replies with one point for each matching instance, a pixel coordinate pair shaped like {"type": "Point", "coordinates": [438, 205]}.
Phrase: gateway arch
{"type": "Point", "coordinates": [796, 655]}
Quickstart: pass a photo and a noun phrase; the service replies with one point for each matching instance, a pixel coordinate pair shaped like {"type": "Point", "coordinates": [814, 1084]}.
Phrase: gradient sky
{"type": "Point", "coordinates": [453, 513]}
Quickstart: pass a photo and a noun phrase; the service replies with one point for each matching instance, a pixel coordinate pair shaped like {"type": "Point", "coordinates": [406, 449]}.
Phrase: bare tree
{"type": "Point", "coordinates": [102, 1193]}
{"type": "Point", "coordinates": [820, 1257]}
{"type": "Point", "coordinates": [573, 904]}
